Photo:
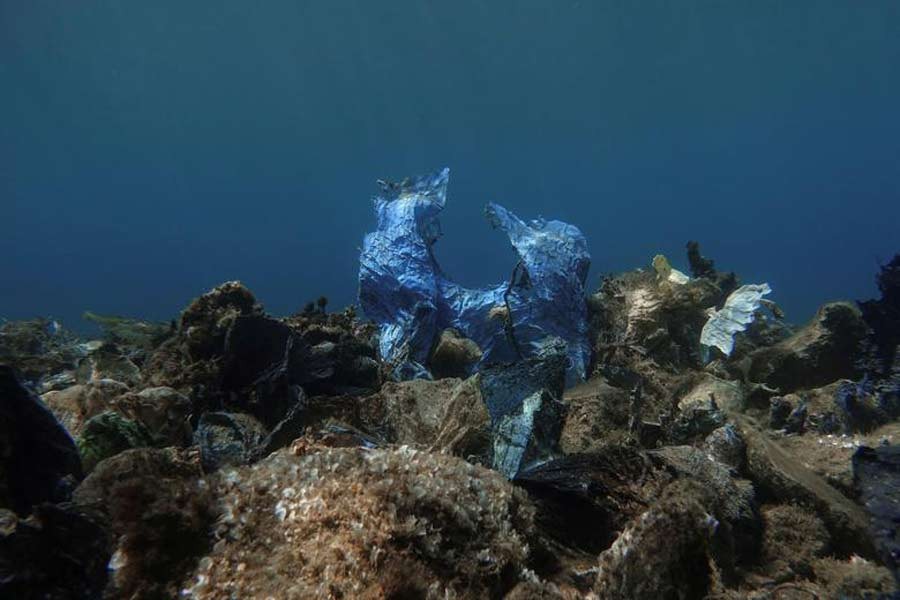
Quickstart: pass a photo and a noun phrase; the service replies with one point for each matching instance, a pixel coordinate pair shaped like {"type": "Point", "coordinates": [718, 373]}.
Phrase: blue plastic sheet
{"type": "Point", "coordinates": [539, 311]}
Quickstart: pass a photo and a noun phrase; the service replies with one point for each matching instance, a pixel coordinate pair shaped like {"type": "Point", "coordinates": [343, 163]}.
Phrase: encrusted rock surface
{"type": "Point", "coordinates": [235, 454]}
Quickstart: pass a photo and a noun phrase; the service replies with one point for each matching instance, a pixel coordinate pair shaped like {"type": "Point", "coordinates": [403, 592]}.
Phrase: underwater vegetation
{"type": "Point", "coordinates": [663, 436]}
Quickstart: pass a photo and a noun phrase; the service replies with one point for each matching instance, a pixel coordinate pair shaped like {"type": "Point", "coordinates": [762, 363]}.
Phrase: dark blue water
{"type": "Point", "coordinates": [149, 150]}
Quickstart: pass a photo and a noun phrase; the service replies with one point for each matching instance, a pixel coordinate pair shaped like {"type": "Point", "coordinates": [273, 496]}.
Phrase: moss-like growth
{"type": "Point", "coordinates": [108, 434]}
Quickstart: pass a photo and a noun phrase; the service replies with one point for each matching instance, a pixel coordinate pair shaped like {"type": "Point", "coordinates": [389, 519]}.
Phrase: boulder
{"type": "Point", "coordinates": [228, 439]}
{"type": "Point", "coordinates": [108, 434]}
{"type": "Point", "coordinates": [820, 353]}
{"type": "Point", "coordinates": [662, 553]}
{"type": "Point", "coordinates": [59, 552]}
{"type": "Point", "coordinates": [160, 512]}
{"type": "Point", "coordinates": [350, 522]}
{"type": "Point", "coordinates": [39, 461]}
{"type": "Point", "coordinates": [446, 415]}
{"type": "Point", "coordinates": [876, 475]}
{"type": "Point", "coordinates": [453, 356]}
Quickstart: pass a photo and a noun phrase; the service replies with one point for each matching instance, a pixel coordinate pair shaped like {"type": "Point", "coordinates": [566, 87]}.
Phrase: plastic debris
{"type": "Point", "coordinates": [538, 311]}
{"type": "Point", "coordinates": [733, 317]}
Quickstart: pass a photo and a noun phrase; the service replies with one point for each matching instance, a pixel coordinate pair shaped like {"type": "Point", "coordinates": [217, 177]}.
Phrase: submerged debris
{"type": "Point", "coordinates": [403, 289]}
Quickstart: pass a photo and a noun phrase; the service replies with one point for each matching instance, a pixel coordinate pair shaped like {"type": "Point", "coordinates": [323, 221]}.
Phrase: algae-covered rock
{"type": "Point", "coordinates": [108, 434]}
{"type": "Point", "coordinates": [160, 512]}
{"type": "Point", "coordinates": [38, 348]}
{"type": "Point", "coordinates": [355, 523]}
{"type": "Point", "coordinates": [663, 553]}
{"type": "Point", "coordinates": [820, 353]}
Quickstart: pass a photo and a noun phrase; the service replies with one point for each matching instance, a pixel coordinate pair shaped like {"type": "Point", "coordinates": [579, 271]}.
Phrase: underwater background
{"type": "Point", "coordinates": [149, 151]}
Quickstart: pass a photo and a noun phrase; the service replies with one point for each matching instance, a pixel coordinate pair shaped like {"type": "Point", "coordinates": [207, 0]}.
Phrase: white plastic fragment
{"type": "Point", "coordinates": [737, 313]}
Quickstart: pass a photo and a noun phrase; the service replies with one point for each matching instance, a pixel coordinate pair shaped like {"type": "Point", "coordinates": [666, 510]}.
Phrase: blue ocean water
{"type": "Point", "coordinates": [150, 150]}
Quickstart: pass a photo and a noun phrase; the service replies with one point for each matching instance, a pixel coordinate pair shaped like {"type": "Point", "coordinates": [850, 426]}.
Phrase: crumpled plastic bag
{"type": "Point", "coordinates": [737, 313]}
{"type": "Point", "coordinates": [541, 310]}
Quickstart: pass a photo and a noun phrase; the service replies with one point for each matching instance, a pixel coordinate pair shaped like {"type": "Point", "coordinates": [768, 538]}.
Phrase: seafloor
{"type": "Point", "coordinates": [231, 454]}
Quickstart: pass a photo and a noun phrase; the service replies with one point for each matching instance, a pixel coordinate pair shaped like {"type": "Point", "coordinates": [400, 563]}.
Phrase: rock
{"type": "Point", "coordinates": [59, 552]}
{"type": "Point", "coordinates": [453, 356]}
{"type": "Point", "coordinates": [108, 362]}
{"type": "Point", "coordinates": [818, 354]}
{"type": "Point", "coordinates": [205, 323]}
{"type": "Point", "coordinates": [727, 395]}
{"type": "Point", "coordinates": [596, 415]}
{"type": "Point", "coordinates": [38, 458]}
{"type": "Point", "coordinates": [796, 420]}
{"type": "Point", "coordinates": [876, 476]}
{"type": "Point", "coordinates": [780, 409]}
{"type": "Point", "coordinates": [584, 501]}
{"type": "Point", "coordinates": [447, 416]}
{"type": "Point", "coordinates": [793, 539]}
{"type": "Point", "coordinates": [696, 420]}
{"type": "Point", "coordinates": [883, 318]}
{"type": "Point", "coordinates": [137, 335]}
{"type": "Point", "coordinates": [782, 476]}
{"type": "Point", "coordinates": [228, 439]}
{"type": "Point", "coordinates": [727, 446]}
{"type": "Point", "coordinates": [160, 512]}
{"type": "Point", "coordinates": [75, 405]}
{"type": "Point", "coordinates": [348, 522]}
{"type": "Point", "coordinates": [38, 348]}
{"type": "Point", "coordinates": [162, 410]}
{"type": "Point", "coordinates": [108, 434]}
{"type": "Point", "coordinates": [663, 553]}
{"type": "Point", "coordinates": [59, 381]}
{"type": "Point", "coordinates": [732, 501]}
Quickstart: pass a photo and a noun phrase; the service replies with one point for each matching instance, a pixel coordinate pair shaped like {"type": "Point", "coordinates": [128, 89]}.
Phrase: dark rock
{"type": "Point", "coordinates": [700, 265]}
{"type": "Point", "coordinates": [228, 439]}
{"type": "Point", "coordinates": [876, 476]}
{"type": "Point", "coordinates": [161, 513]}
{"type": "Point", "coordinates": [663, 553]}
{"type": "Point", "coordinates": [779, 410]}
{"type": "Point", "coordinates": [60, 552]}
{"type": "Point", "coordinates": [796, 421]}
{"type": "Point", "coordinates": [883, 316]}
{"type": "Point", "coordinates": [728, 447]}
{"type": "Point", "coordinates": [38, 458]}
{"type": "Point", "coordinates": [732, 501]}
{"type": "Point", "coordinates": [453, 356]}
{"type": "Point", "coordinates": [584, 500]}
{"type": "Point", "coordinates": [108, 434]}
{"type": "Point", "coordinates": [818, 354]}
{"type": "Point", "coordinates": [204, 324]}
